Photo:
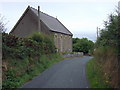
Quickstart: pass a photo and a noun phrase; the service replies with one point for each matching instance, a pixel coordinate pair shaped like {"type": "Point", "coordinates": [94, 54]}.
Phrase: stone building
{"type": "Point", "coordinates": [34, 20]}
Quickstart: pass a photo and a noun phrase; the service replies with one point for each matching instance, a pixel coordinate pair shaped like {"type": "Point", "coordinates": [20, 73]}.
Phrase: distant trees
{"type": "Point", "coordinates": [83, 45]}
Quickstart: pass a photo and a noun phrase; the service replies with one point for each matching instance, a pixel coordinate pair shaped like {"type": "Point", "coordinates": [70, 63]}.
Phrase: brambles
{"type": "Point", "coordinates": [107, 51]}
{"type": "Point", "coordinates": [24, 58]}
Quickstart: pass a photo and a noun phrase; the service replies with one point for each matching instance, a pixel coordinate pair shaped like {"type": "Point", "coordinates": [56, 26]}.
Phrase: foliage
{"type": "Point", "coordinates": [106, 59]}
{"type": "Point", "coordinates": [46, 41]}
{"type": "Point", "coordinates": [24, 58]}
{"type": "Point", "coordinates": [94, 75]}
{"type": "Point", "coordinates": [17, 47]}
{"type": "Point", "coordinates": [109, 35]}
{"type": "Point", "coordinates": [24, 70]}
{"type": "Point", "coordinates": [75, 40]}
{"type": "Point", "coordinates": [82, 45]}
{"type": "Point", "coordinates": [2, 24]}
{"type": "Point", "coordinates": [107, 50]}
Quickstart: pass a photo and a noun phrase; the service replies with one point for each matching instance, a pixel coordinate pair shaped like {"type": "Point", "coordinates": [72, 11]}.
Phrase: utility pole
{"type": "Point", "coordinates": [119, 8]}
{"type": "Point", "coordinates": [97, 32]}
{"type": "Point", "coordinates": [39, 25]}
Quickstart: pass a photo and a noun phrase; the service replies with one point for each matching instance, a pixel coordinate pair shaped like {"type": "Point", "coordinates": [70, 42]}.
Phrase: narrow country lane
{"type": "Point", "coordinates": [65, 74]}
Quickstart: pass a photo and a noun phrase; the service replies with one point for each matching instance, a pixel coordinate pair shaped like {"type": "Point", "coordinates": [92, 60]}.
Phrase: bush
{"type": "Point", "coordinates": [24, 58]}
{"type": "Point", "coordinates": [106, 59]}
{"type": "Point", "coordinates": [45, 41]}
{"type": "Point", "coordinates": [37, 36]}
{"type": "Point", "coordinates": [95, 76]}
{"type": "Point", "coordinates": [36, 45]}
{"type": "Point", "coordinates": [107, 50]}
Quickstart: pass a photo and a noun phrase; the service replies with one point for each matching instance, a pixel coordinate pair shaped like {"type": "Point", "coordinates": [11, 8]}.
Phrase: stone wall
{"type": "Point", "coordinates": [74, 54]}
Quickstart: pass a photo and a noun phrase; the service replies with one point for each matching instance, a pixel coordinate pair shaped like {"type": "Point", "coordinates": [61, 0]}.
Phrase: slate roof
{"type": "Point", "coordinates": [52, 23]}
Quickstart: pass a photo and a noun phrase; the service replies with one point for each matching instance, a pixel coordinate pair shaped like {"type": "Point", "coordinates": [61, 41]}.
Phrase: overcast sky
{"type": "Point", "coordinates": [81, 17]}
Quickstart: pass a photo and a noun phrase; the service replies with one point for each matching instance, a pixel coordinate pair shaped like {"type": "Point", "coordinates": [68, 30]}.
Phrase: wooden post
{"type": "Point", "coordinates": [119, 8]}
{"type": "Point", "coordinates": [39, 25]}
{"type": "Point", "coordinates": [97, 32]}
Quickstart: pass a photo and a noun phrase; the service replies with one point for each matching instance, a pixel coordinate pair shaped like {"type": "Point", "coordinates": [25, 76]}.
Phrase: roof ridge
{"type": "Point", "coordinates": [44, 13]}
{"type": "Point", "coordinates": [49, 20]}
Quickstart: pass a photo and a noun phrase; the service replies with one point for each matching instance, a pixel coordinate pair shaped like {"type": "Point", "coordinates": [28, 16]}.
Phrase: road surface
{"type": "Point", "coordinates": [65, 74]}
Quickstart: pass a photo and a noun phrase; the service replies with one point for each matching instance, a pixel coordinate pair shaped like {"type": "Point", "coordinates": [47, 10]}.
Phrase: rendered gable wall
{"type": "Point", "coordinates": [28, 24]}
{"type": "Point", "coordinates": [63, 42]}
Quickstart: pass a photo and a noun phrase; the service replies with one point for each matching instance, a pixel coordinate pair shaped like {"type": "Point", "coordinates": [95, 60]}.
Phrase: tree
{"type": "Point", "coordinates": [107, 53]}
{"type": "Point", "coordinates": [109, 35]}
{"type": "Point", "coordinates": [75, 40]}
{"type": "Point", "coordinates": [82, 45]}
{"type": "Point", "coordinates": [2, 24]}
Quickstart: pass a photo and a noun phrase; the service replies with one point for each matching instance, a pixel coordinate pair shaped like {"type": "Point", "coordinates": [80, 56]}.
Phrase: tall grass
{"type": "Point", "coordinates": [106, 59]}
{"type": "Point", "coordinates": [94, 75]}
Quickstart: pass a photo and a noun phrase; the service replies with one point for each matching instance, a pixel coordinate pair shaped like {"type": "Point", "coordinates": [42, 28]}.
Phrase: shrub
{"type": "Point", "coordinates": [94, 75]}
{"type": "Point", "coordinates": [45, 41]}
{"type": "Point", "coordinates": [10, 40]}
{"type": "Point", "coordinates": [106, 59]}
{"type": "Point", "coordinates": [107, 50]}
{"type": "Point", "coordinates": [35, 45]}
{"type": "Point", "coordinates": [37, 36]}
{"type": "Point", "coordinates": [24, 58]}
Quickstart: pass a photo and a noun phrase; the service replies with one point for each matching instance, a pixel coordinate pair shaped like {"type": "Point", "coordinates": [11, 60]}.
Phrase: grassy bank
{"type": "Point", "coordinates": [22, 71]}
{"type": "Point", "coordinates": [95, 76]}
{"type": "Point", "coordinates": [103, 70]}
{"type": "Point", "coordinates": [25, 58]}
{"type": "Point", "coordinates": [107, 60]}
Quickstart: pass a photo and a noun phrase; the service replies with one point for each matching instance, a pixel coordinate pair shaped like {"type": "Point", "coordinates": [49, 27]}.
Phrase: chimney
{"type": "Point", "coordinates": [39, 25]}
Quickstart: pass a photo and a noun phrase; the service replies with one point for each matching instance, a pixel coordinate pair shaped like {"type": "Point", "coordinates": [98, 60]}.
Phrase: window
{"type": "Point", "coordinates": [61, 36]}
{"type": "Point", "coordinates": [55, 35]}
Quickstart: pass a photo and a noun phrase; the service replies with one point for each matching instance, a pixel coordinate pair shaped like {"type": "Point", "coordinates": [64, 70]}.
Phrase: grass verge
{"type": "Point", "coordinates": [22, 71]}
{"type": "Point", "coordinates": [94, 75]}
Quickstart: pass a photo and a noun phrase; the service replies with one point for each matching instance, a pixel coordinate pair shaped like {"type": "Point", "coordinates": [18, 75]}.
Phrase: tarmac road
{"type": "Point", "coordinates": [65, 74]}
